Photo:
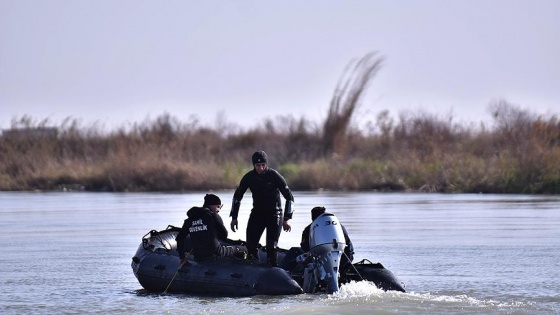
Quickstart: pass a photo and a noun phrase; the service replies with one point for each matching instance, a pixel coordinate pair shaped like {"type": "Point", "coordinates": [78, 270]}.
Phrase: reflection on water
{"type": "Point", "coordinates": [468, 254]}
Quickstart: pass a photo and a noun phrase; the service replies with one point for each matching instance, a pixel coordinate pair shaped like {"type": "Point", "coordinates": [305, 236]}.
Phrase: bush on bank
{"type": "Point", "coordinates": [421, 152]}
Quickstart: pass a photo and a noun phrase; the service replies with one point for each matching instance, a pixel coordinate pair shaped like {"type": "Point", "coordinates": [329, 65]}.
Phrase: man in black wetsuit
{"type": "Point", "coordinates": [348, 256]}
{"type": "Point", "coordinates": [265, 184]}
{"type": "Point", "coordinates": [206, 229]}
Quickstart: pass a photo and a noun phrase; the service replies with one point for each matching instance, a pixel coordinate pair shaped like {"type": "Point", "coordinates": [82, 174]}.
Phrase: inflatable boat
{"type": "Point", "coordinates": [157, 268]}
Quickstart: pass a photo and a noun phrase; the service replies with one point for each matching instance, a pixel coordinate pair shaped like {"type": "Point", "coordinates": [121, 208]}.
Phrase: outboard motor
{"type": "Point", "coordinates": [326, 243]}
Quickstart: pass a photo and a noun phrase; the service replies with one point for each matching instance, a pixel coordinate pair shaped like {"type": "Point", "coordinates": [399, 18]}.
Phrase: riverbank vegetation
{"type": "Point", "coordinates": [519, 153]}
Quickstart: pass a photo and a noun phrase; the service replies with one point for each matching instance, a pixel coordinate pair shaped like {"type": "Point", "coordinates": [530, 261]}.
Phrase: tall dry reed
{"type": "Point", "coordinates": [420, 152]}
{"type": "Point", "coordinates": [520, 153]}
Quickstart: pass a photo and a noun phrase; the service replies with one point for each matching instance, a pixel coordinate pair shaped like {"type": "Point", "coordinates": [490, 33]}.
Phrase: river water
{"type": "Point", "coordinates": [70, 253]}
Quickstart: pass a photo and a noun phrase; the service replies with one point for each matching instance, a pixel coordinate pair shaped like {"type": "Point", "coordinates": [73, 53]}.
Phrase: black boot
{"type": "Point", "coordinates": [272, 258]}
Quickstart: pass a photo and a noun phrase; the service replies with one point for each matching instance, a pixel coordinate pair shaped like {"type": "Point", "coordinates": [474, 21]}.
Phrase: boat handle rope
{"type": "Point", "coordinates": [157, 235]}
{"type": "Point", "coordinates": [351, 264]}
{"type": "Point", "coordinates": [176, 272]}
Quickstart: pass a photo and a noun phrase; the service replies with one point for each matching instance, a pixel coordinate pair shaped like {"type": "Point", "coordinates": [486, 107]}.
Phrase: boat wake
{"type": "Point", "coordinates": [357, 289]}
{"type": "Point", "coordinates": [364, 295]}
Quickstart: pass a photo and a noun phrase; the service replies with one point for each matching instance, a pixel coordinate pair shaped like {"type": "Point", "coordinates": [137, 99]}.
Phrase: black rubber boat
{"type": "Point", "coordinates": [156, 266]}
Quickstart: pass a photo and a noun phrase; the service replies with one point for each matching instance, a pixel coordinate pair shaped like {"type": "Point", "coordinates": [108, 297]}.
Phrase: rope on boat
{"type": "Point", "coordinates": [351, 264]}
{"type": "Point", "coordinates": [176, 272]}
{"type": "Point", "coordinates": [165, 243]}
{"type": "Point", "coordinates": [175, 275]}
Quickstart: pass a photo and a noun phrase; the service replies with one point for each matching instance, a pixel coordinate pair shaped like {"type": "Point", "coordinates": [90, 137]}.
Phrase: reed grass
{"type": "Point", "coordinates": [519, 153]}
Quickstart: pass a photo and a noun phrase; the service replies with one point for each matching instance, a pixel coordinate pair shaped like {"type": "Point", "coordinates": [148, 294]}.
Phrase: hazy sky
{"type": "Point", "coordinates": [121, 61]}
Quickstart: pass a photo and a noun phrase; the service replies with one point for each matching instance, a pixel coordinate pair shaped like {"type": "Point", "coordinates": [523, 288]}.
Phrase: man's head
{"type": "Point", "coordinates": [316, 212]}
{"type": "Point", "coordinates": [260, 161]}
{"type": "Point", "coordinates": [259, 157]}
{"type": "Point", "coordinates": [213, 202]}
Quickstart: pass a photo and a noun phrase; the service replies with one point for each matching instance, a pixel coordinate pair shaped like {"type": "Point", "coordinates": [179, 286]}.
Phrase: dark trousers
{"type": "Point", "coordinates": [255, 228]}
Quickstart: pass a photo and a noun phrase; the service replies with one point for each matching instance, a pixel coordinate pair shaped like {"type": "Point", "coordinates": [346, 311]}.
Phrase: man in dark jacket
{"type": "Point", "coordinates": [348, 256]}
{"type": "Point", "coordinates": [206, 229]}
{"type": "Point", "coordinates": [266, 185]}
